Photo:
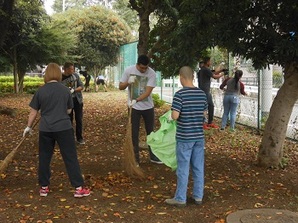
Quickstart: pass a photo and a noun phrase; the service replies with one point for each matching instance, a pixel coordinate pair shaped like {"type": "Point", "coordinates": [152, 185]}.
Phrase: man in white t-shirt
{"type": "Point", "coordinates": [140, 80]}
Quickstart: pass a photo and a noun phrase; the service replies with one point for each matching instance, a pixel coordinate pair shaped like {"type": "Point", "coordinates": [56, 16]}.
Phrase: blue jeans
{"type": "Point", "coordinates": [230, 103]}
{"type": "Point", "coordinates": [190, 154]}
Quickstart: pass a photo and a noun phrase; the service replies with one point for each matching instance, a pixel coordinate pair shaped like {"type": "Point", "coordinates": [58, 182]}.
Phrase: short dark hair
{"type": "Point", "coordinates": [68, 65]}
{"type": "Point", "coordinates": [206, 59]}
{"type": "Point", "coordinates": [143, 59]}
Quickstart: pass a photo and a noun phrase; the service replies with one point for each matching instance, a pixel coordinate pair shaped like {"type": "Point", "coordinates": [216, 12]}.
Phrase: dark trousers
{"type": "Point", "coordinates": [66, 142]}
{"type": "Point", "coordinates": [78, 113]}
{"type": "Point", "coordinates": [210, 108]}
{"type": "Point", "coordinates": [148, 116]}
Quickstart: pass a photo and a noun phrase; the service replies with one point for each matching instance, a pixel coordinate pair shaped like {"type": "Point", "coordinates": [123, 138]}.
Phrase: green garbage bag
{"type": "Point", "coordinates": [163, 141]}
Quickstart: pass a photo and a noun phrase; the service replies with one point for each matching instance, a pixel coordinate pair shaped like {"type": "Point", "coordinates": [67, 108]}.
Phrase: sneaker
{"type": "Point", "coordinates": [156, 161]}
{"type": "Point", "coordinates": [82, 192]}
{"type": "Point", "coordinates": [205, 127]}
{"type": "Point", "coordinates": [81, 142]}
{"type": "Point", "coordinates": [43, 191]}
{"type": "Point", "coordinates": [174, 202]}
{"type": "Point", "coordinates": [212, 125]}
{"type": "Point", "coordinates": [198, 201]}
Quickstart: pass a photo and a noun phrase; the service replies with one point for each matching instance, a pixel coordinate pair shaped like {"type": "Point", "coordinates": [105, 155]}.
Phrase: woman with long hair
{"type": "Point", "coordinates": [232, 87]}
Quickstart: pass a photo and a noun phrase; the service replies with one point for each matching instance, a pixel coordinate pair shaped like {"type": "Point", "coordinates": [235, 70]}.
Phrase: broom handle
{"type": "Point", "coordinates": [25, 136]}
{"type": "Point", "coordinates": [9, 157]}
{"type": "Point", "coordinates": [130, 107]}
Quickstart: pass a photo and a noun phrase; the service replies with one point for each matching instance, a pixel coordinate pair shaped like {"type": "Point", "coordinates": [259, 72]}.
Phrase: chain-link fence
{"type": "Point", "coordinates": [262, 87]}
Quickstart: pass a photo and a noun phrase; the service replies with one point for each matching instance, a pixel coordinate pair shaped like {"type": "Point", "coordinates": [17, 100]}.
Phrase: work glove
{"type": "Point", "coordinates": [71, 90]}
{"type": "Point", "coordinates": [132, 102]}
{"type": "Point", "coordinates": [169, 118]}
{"type": "Point", "coordinates": [27, 130]}
{"type": "Point", "coordinates": [131, 79]}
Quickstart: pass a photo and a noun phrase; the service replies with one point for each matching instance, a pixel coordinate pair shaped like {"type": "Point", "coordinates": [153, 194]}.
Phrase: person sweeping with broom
{"type": "Point", "coordinates": [140, 80]}
{"type": "Point", "coordinates": [54, 101]}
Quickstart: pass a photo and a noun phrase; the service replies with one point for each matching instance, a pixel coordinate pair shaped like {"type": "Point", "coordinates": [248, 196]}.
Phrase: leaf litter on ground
{"type": "Point", "coordinates": [232, 179]}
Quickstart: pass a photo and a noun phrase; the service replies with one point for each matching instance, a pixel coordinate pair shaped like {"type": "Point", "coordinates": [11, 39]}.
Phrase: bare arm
{"type": "Point", "coordinates": [217, 74]}
{"type": "Point", "coordinates": [145, 94]}
{"type": "Point", "coordinates": [32, 116]}
{"type": "Point", "coordinates": [175, 115]}
{"type": "Point", "coordinates": [123, 85]}
{"type": "Point", "coordinates": [78, 89]}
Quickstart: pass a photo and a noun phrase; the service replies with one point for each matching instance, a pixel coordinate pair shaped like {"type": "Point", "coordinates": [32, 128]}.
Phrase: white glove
{"type": "Point", "coordinates": [131, 103]}
{"type": "Point", "coordinates": [132, 79]}
{"type": "Point", "coordinates": [71, 90]}
{"type": "Point", "coordinates": [170, 117]}
{"type": "Point", "coordinates": [27, 130]}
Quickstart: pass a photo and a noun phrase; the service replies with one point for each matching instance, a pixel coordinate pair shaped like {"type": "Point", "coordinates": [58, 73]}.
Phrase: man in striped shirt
{"type": "Point", "coordinates": [189, 108]}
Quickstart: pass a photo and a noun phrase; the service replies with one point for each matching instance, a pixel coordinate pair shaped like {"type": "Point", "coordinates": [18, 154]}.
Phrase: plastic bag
{"type": "Point", "coordinates": [163, 141]}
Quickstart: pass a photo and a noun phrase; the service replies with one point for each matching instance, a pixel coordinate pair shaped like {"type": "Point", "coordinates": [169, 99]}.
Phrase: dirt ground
{"type": "Point", "coordinates": [232, 180]}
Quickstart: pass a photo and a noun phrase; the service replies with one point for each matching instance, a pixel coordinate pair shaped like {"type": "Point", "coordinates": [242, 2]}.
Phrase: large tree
{"type": "Point", "coordinates": [32, 40]}
{"type": "Point", "coordinates": [144, 9]}
{"type": "Point", "coordinates": [100, 33]}
{"type": "Point", "coordinates": [128, 14]}
{"type": "Point", "coordinates": [264, 31]}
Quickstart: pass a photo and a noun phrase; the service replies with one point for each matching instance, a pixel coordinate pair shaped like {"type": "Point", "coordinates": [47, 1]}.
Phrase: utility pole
{"type": "Point", "coordinates": [63, 5]}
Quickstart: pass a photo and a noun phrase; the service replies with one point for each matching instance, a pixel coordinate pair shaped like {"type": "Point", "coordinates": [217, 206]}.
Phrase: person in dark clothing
{"type": "Point", "coordinates": [54, 102]}
{"type": "Point", "coordinates": [74, 83]}
{"type": "Point", "coordinates": [204, 77]}
{"type": "Point", "coordinates": [87, 79]}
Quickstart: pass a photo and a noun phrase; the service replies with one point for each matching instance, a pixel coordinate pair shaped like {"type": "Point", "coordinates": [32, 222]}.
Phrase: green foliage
{"type": "Point", "coordinates": [127, 14]}
{"type": "Point", "coordinates": [284, 162]}
{"type": "Point", "coordinates": [256, 30]}
{"type": "Point", "coordinates": [259, 30]}
{"type": "Point", "coordinates": [100, 33]}
{"type": "Point", "coordinates": [33, 40]}
{"type": "Point", "coordinates": [31, 84]}
{"type": "Point", "coordinates": [157, 101]}
{"type": "Point", "coordinates": [277, 79]}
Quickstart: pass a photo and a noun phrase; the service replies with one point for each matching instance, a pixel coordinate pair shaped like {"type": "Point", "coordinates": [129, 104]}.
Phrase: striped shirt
{"type": "Point", "coordinates": [191, 104]}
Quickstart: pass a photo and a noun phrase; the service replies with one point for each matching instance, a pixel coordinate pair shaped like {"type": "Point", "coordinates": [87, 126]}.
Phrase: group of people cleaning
{"type": "Point", "coordinates": [189, 108]}
{"type": "Point", "coordinates": [190, 105]}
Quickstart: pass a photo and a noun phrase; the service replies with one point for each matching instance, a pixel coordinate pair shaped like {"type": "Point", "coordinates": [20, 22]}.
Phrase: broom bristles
{"type": "Point", "coordinates": [130, 164]}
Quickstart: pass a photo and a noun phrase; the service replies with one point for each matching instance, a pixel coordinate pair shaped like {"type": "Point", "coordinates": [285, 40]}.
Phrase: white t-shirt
{"type": "Point", "coordinates": [139, 87]}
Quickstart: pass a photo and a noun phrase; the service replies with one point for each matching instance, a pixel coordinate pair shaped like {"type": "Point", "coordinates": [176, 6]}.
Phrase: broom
{"type": "Point", "coordinates": [4, 163]}
{"type": "Point", "coordinates": [130, 165]}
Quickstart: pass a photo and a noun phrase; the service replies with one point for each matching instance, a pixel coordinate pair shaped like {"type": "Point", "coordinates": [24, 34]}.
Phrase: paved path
{"type": "Point", "coordinates": [263, 216]}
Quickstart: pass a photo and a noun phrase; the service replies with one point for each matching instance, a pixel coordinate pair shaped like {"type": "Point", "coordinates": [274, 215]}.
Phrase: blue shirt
{"type": "Point", "coordinates": [191, 104]}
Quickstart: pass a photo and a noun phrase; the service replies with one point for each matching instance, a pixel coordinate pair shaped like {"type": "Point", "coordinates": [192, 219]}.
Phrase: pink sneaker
{"type": "Point", "coordinates": [212, 125]}
{"type": "Point", "coordinates": [205, 127]}
{"type": "Point", "coordinates": [82, 192]}
{"type": "Point", "coordinates": [43, 191]}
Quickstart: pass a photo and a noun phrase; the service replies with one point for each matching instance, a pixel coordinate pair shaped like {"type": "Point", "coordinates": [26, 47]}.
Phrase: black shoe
{"type": "Point", "coordinates": [81, 142]}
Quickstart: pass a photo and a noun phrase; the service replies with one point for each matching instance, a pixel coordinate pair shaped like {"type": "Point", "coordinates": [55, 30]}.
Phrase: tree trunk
{"type": "Point", "coordinates": [21, 75]}
{"type": "Point", "coordinates": [271, 148]}
{"type": "Point", "coordinates": [144, 9]}
{"type": "Point", "coordinates": [144, 30]}
{"type": "Point", "coordinates": [15, 73]}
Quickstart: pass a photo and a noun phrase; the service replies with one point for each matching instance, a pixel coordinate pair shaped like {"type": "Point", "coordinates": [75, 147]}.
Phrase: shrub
{"type": "Point", "coordinates": [30, 84]}
{"type": "Point", "coordinates": [157, 101]}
